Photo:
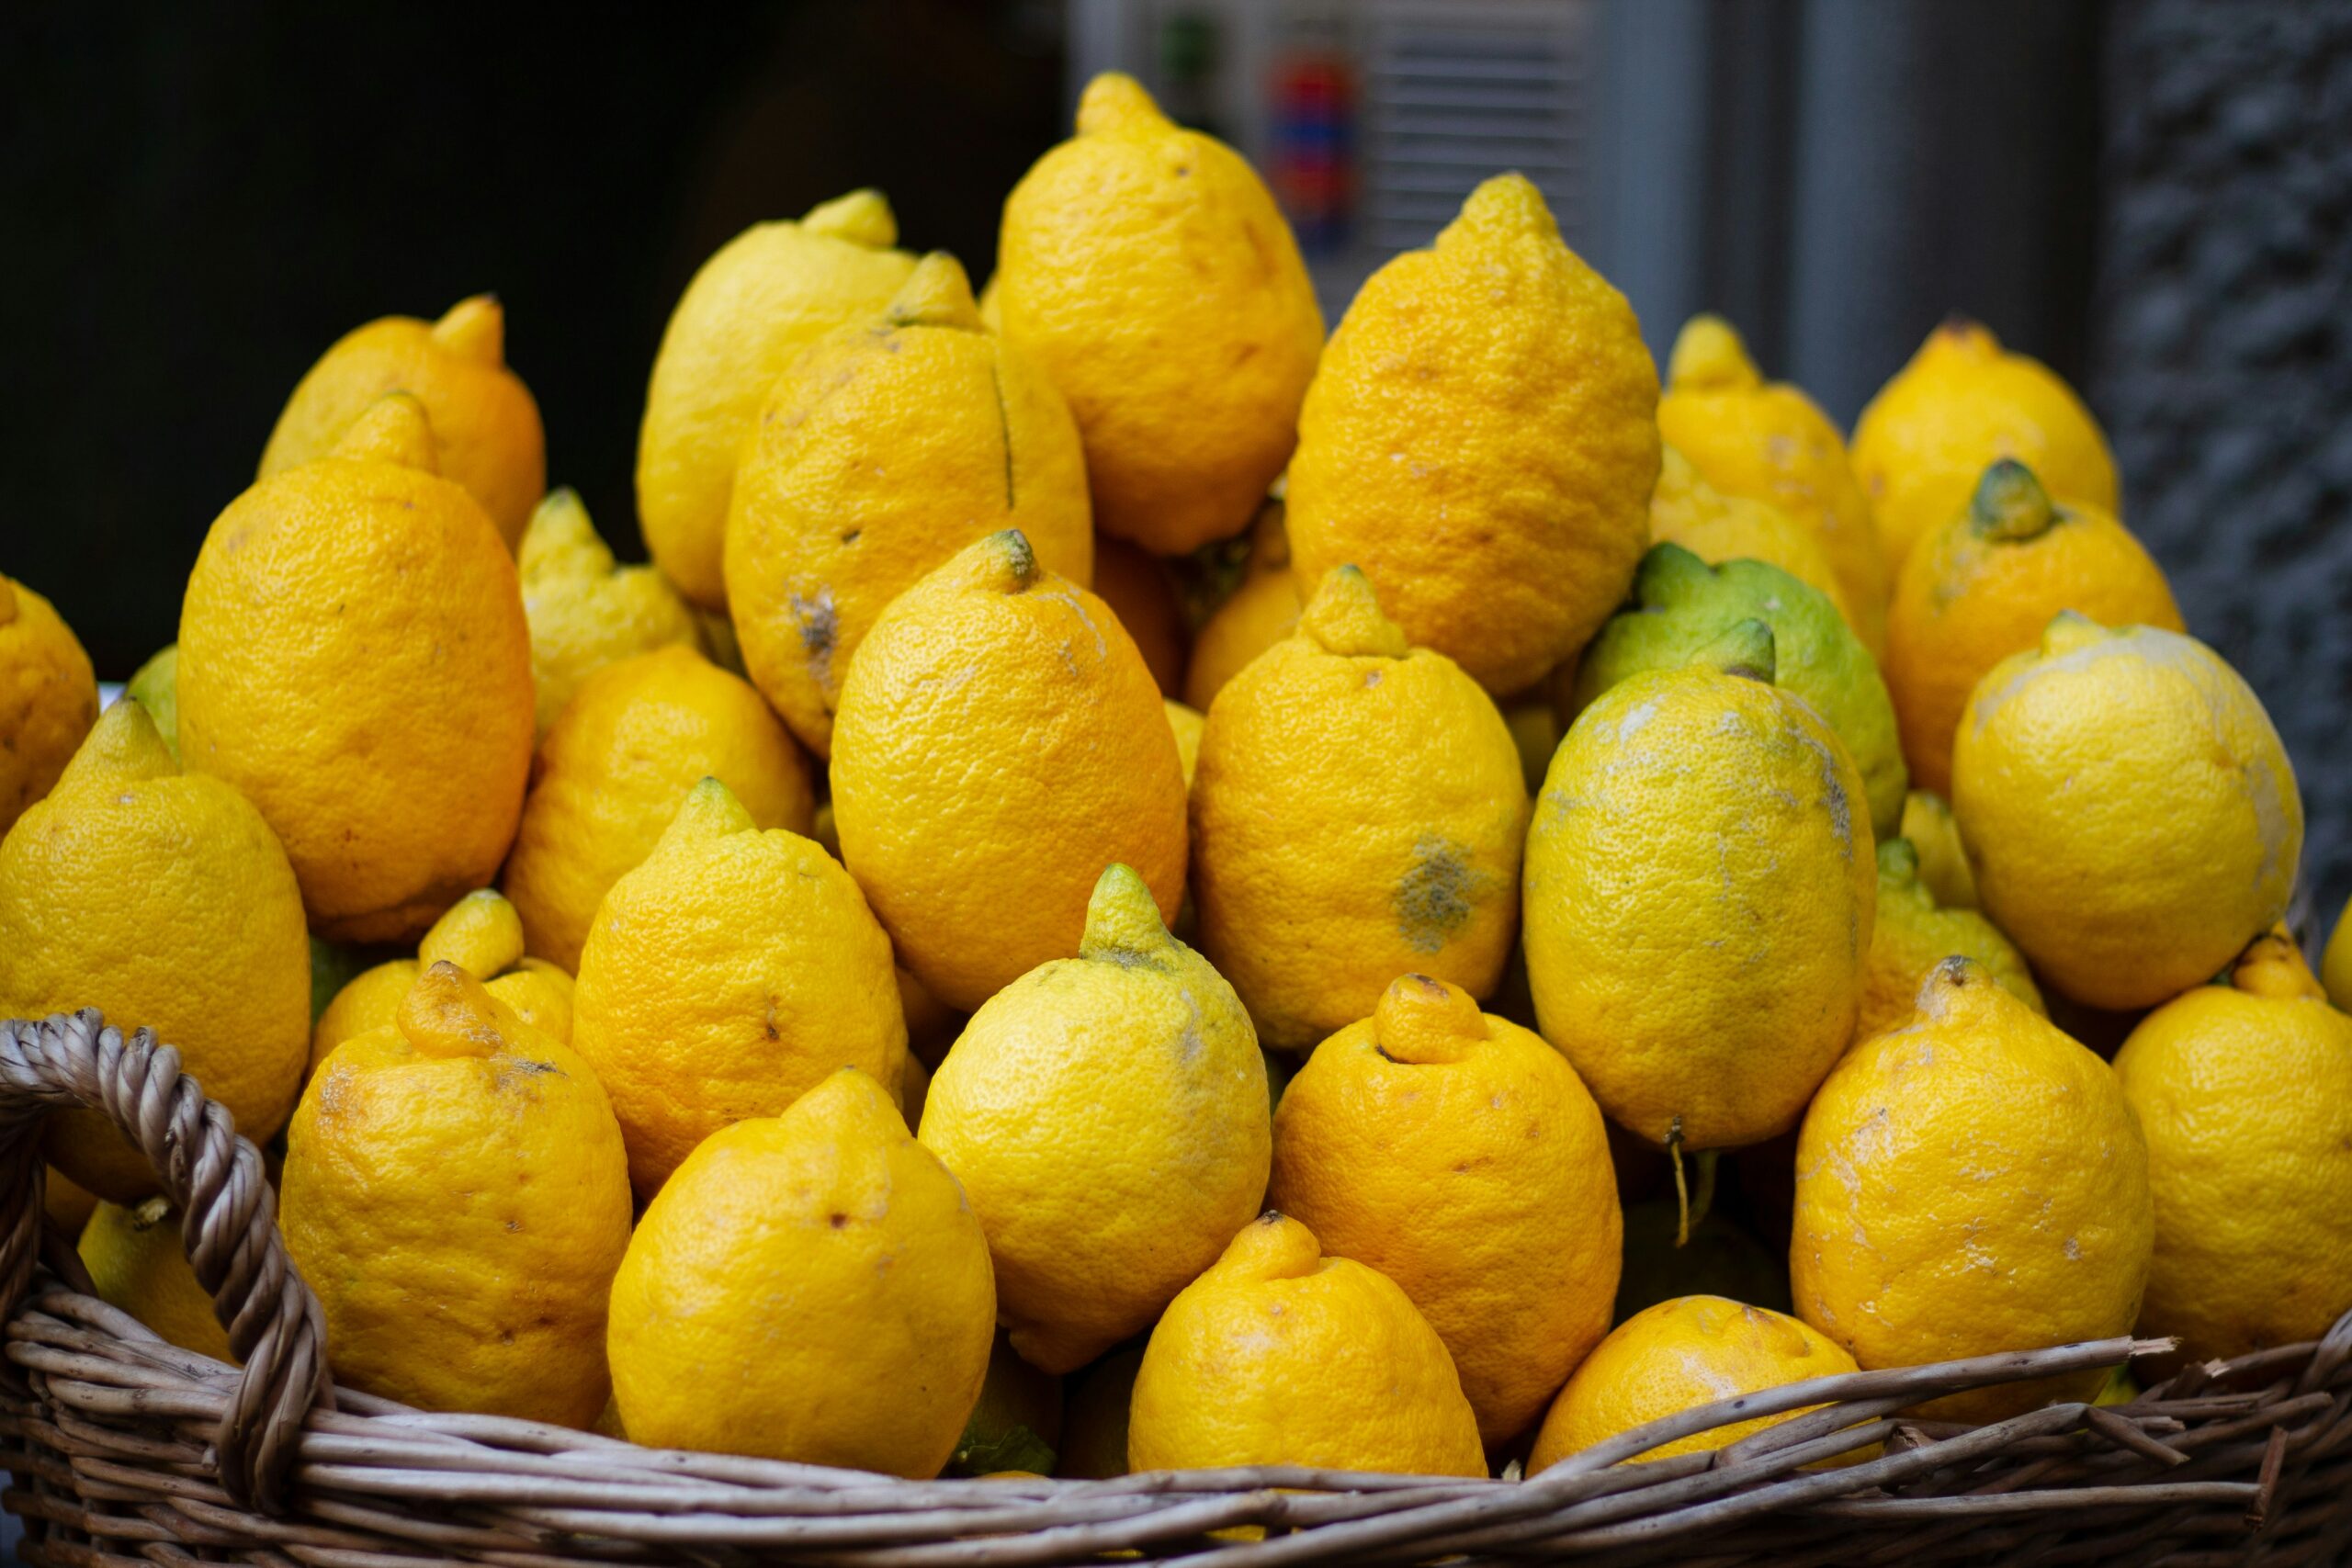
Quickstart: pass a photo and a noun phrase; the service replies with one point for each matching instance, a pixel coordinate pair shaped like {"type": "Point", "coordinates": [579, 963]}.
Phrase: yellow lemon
{"type": "Point", "coordinates": [49, 698]}
{"type": "Point", "coordinates": [1142, 592]}
{"type": "Point", "coordinates": [724, 977]}
{"type": "Point", "coordinates": [1914, 933]}
{"type": "Point", "coordinates": [1459, 1155]}
{"type": "Point", "coordinates": [355, 659]}
{"type": "Point", "coordinates": [486, 431]}
{"type": "Point", "coordinates": [1962, 403]}
{"type": "Point", "coordinates": [1943, 863]}
{"type": "Point", "coordinates": [999, 741]}
{"type": "Point", "coordinates": [1677, 1356]}
{"type": "Point", "coordinates": [155, 686]}
{"type": "Point", "coordinates": [1972, 1182]}
{"type": "Point", "coordinates": [1686, 509]}
{"type": "Point", "coordinates": [1699, 890]}
{"type": "Point", "coordinates": [1482, 439]}
{"type": "Point", "coordinates": [456, 1194]}
{"type": "Point", "coordinates": [1279, 1355]}
{"type": "Point", "coordinates": [1260, 612]}
{"type": "Point", "coordinates": [1768, 442]}
{"type": "Point", "coordinates": [482, 935]}
{"type": "Point", "coordinates": [1357, 813]}
{"type": "Point", "coordinates": [880, 453]}
{"type": "Point", "coordinates": [2244, 1092]}
{"type": "Point", "coordinates": [1107, 1115]}
{"type": "Point", "coordinates": [2335, 963]}
{"type": "Point", "coordinates": [1983, 585]}
{"type": "Point", "coordinates": [163, 899]}
{"type": "Point", "coordinates": [749, 309]}
{"type": "Point", "coordinates": [1148, 270]}
{"type": "Point", "coordinates": [1186, 724]}
{"type": "Point", "coordinates": [2130, 812]}
{"type": "Point", "coordinates": [136, 1259]}
{"type": "Point", "coordinates": [809, 1287]}
{"type": "Point", "coordinates": [586, 612]}
{"type": "Point", "coordinates": [611, 773]}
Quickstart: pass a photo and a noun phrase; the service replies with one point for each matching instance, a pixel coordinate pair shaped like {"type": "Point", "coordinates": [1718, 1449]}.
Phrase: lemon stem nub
{"type": "Point", "coordinates": [474, 329]}
{"type": "Point", "coordinates": [1123, 921]}
{"type": "Point", "coordinates": [1899, 859]}
{"type": "Point", "coordinates": [1344, 617]}
{"type": "Point", "coordinates": [1709, 356]}
{"type": "Point", "coordinates": [936, 294]}
{"type": "Point", "coordinates": [862, 218]}
{"type": "Point", "coordinates": [2010, 503]}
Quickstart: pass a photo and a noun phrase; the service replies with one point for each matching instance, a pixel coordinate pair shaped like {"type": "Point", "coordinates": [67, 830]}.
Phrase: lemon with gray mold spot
{"type": "Point", "coordinates": [1699, 891]}
{"type": "Point", "coordinates": [1357, 814]}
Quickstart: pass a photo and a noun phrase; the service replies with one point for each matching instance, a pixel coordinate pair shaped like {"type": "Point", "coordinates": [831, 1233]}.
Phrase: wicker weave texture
{"type": "Point", "coordinates": [128, 1449]}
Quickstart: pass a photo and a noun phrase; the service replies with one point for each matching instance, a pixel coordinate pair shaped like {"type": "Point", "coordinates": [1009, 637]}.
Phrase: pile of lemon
{"type": "Point", "coordinates": [593, 936]}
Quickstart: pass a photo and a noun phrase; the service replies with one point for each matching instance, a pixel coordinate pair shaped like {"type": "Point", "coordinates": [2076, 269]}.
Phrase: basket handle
{"type": "Point", "coordinates": [228, 1222]}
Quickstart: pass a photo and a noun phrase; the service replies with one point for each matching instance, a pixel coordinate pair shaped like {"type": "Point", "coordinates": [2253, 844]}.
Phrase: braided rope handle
{"type": "Point", "coordinates": [228, 1222]}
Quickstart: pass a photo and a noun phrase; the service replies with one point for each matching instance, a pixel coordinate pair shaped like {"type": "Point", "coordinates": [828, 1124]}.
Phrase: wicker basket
{"type": "Point", "coordinates": [124, 1448]}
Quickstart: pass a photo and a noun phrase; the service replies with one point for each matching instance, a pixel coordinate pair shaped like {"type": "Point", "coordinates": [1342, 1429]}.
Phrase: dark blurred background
{"type": "Point", "coordinates": [2154, 196]}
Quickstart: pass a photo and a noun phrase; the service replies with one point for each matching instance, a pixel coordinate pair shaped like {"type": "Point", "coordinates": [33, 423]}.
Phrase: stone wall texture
{"type": "Point", "coordinates": [2222, 357]}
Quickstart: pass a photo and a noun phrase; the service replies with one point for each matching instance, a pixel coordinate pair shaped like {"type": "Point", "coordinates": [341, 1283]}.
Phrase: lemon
{"type": "Point", "coordinates": [610, 775]}
{"type": "Point", "coordinates": [486, 430]}
{"type": "Point", "coordinates": [999, 741]}
{"type": "Point", "coordinates": [1767, 441]}
{"type": "Point", "coordinates": [1459, 1155]}
{"type": "Point", "coordinates": [1142, 592]}
{"type": "Point", "coordinates": [2130, 812]}
{"type": "Point", "coordinates": [1147, 268]}
{"type": "Point", "coordinates": [1981, 587]}
{"type": "Point", "coordinates": [585, 610]}
{"type": "Point", "coordinates": [1357, 813]}
{"type": "Point", "coordinates": [1107, 1115]}
{"type": "Point", "coordinates": [880, 453]}
{"type": "Point", "coordinates": [49, 698]}
{"type": "Point", "coordinates": [355, 661]}
{"type": "Point", "coordinates": [1482, 440]}
{"type": "Point", "coordinates": [1187, 725]}
{"type": "Point", "coordinates": [163, 899]}
{"type": "Point", "coordinates": [1699, 890]}
{"type": "Point", "coordinates": [1913, 933]}
{"type": "Point", "coordinates": [2244, 1092]}
{"type": "Point", "coordinates": [749, 309]}
{"type": "Point", "coordinates": [1676, 1356]}
{"type": "Point", "coordinates": [725, 977]}
{"type": "Point", "coordinates": [1260, 612]}
{"type": "Point", "coordinates": [1973, 1182]}
{"type": "Point", "coordinates": [138, 1263]}
{"type": "Point", "coordinates": [481, 934]}
{"type": "Point", "coordinates": [1679, 604]}
{"type": "Point", "coordinates": [2335, 963]}
{"type": "Point", "coordinates": [1935, 837]}
{"type": "Point", "coordinates": [1962, 401]}
{"type": "Point", "coordinates": [1279, 1355]}
{"type": "Point", "coordinates": [809, 1287]}
{"type": "Point", "coordinates": [1686, 509]}
{"type": "Point", "coordinates": [456, 1195]}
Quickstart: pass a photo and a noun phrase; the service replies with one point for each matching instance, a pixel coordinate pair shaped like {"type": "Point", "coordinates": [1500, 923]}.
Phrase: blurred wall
{"type": "Point", "coordinates": [2222, 356]}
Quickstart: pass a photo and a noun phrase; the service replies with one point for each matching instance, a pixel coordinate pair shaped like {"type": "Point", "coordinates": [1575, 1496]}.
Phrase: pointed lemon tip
{"type": "Point", "coordinates": [1506, 203]}
{"type": "Point", "coordinates": [1709, 355]}
{"type": "Point", "coordinates": [1421, 1018]}
{"type": "Point", "coordinates": [1116, 101]}
{"type": "Point", "coordinates": [848, 1100]}
{"type": "Point", "coordinates": [123, 745]}
{"type": "Point", "coordinates": [936, 294]}
{"type": "Point", "coordinates": [2273, 966]}
{"type": "Point", "coordinates": [1666, 572]}
{"type": "Point", "coordinates": [1121, 917]}
{"type": "Point", "coordinates": [474, 329]}
{"type": "Point", "coordinates": [560, 527]}
{"type": "Point", "coordinates": [1898, 862]}
{"type": "Point", "coordinates": [710, 811]}
{"type": "Point", "coordinates": [862, 218]}
{"type": "Point", "coordinates": [2010, 505]}
{"type": "Point", "coordinates": [447, 1013]}
{"type": "Point", "coordinates": [480, 934]}
{"type": "Point", "coordinates": [1272, 1246]}
{"type": "Point", "coordinates": [1746, 648]}
{"type": "Point", "coordinates": [394, 429]}
{"type": "Point", "coordinates": [1003, 561]}
{"type": "Point", "coordinates": [1344, 617]}
{"type": "Point", "coordinates": [1962, 334]}
{"type": "Point", "coordinates": [2069, 630]}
